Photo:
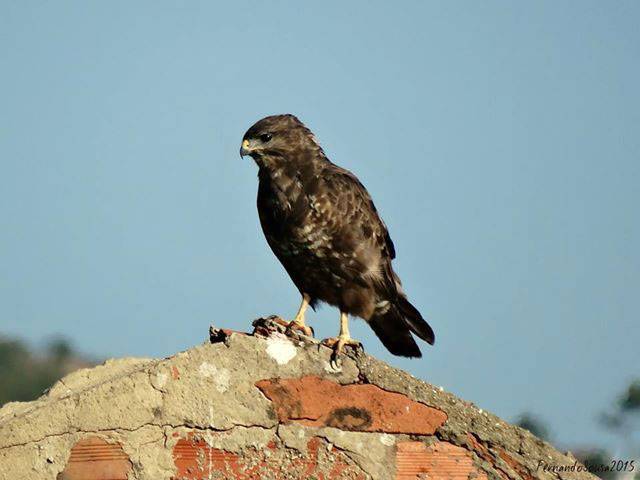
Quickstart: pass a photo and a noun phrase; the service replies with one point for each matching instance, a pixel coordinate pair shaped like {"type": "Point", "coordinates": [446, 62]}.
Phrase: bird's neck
{"type": "Point", "coordinates": [274, 167]}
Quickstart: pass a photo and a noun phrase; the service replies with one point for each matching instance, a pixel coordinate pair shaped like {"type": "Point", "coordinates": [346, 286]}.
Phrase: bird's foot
{"type": "Point", "coordinates": [338, 343]}
{"type": "Point", "coordinates": [300, 326]}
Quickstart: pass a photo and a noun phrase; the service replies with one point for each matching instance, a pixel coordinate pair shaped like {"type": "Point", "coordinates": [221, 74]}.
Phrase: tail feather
{"type": "Point", "coordinates": [414, 320]}
{"type": "Point", "coordinates": [394, 327]}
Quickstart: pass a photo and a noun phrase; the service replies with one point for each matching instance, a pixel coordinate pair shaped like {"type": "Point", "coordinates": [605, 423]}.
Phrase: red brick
{"type": "Point", "coordinates": [316, 402]}
{"type": "Point", "coordinates": [485, 454]}
{"type": "Point", "coordinates": [440, 461]}
{"type": "Point", "coordinates": [517, 466]}
{"type": "Point", "coordinates": [195, 460]}
{"type": "Point", "coordinates": [93, 458]}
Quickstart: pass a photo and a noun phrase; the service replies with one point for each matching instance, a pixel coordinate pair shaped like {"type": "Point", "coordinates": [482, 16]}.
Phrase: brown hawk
{"type": "Point", "coordinates": [321, 223]}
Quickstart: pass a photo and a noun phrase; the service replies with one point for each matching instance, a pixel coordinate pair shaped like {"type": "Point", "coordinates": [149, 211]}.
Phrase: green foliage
{"type": "Point", "coordinates": [25, 375]}
{"type": "Point", "coordinates": [621, 418]}
{"type": "Point", "coordinates": [530, 422]}
{"type": "Point", "coordinates": [597, 460]}
{"type": "Point", "coordinates": [60, 349]}
{"type": "Point", "coordinates": [630, 400]}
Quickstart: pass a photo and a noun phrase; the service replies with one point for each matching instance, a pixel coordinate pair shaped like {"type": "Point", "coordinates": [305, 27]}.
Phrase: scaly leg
{"type": "Point", "coordinates": [298, 322]}
{"type": "Point", "coordinates": [344, 338]}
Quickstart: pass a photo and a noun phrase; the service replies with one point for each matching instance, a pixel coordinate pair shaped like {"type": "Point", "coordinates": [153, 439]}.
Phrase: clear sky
{"type": "Point", "coordinates": [499, 140]}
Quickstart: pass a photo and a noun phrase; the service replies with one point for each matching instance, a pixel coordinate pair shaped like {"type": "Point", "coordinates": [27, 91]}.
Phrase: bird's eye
{"type": "Point", "coordinates": [265, 137]}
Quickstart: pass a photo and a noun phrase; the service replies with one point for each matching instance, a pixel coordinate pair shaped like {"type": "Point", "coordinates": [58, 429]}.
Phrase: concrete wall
{"type": "Point", "coordinates": [260, 406]}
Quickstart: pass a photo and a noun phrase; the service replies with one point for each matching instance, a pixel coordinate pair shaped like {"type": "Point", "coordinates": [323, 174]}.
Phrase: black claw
{"type": "Point", "coordinates": [335, 362]}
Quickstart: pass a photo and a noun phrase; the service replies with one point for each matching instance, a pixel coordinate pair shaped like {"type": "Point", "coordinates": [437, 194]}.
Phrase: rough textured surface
{"type": "Point", "coordinates": [317, 402]}
{"type": "Point", "coordinates": [260, 406]}
{"type": "Point", "coordinates": [196, 459]}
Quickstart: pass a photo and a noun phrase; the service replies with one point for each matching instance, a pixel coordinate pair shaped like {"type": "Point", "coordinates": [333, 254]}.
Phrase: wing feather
{"type": "Point", "coordinates": [357, 228]}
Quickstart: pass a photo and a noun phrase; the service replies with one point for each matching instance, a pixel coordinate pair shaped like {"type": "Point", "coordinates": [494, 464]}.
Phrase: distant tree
{"type": "Point", "coordinates": [629, 401]}
{"type": "Point", "coordinates": [11, 351]}
{"type": "Point", "coordinates": [535, 425]}
{"type": "Point", "coordinates": [60, 349]}
{"type": "Point", "coordinates": [623, 418]}
{"type": "Point", "coordinates": [18, 378]}
{"type": "Point", "coordinates": [596, 460]}
{"type": "Point", "coordinates": [25, 375]}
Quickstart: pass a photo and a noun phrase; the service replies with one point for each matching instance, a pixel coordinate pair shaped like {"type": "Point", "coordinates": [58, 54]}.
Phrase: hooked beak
{"type": "Point", "coordinates": [245, 149]}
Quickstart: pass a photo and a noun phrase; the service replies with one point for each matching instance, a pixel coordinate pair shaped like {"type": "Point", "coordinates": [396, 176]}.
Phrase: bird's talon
{"type": "Point", "coordinates": [335, 362]}
{"type": "Point", "coordinates": [301, 327]}
{"type": "Point", "coordinates": [338, 344]}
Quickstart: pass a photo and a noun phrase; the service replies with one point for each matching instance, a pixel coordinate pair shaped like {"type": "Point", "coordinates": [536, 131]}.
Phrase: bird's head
{"type": "Point", "coordinates": [277, 137]}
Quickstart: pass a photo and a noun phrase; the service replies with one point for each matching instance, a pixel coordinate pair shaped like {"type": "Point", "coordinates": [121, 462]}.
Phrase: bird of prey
{"type": "Point", "coordinates": [321, 224]}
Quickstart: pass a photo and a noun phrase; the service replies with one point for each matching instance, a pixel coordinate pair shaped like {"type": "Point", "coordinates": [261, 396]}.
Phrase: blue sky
{"type": "Point", "coordinates": [499, 140]}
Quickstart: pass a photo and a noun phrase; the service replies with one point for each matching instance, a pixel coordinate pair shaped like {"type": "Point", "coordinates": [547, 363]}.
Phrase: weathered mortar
{"type": "Point", "coordinates": [260, 406]}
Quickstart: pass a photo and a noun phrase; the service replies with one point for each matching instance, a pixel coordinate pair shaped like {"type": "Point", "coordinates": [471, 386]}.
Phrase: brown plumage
{"type": "Point", "coordinates": [321, 223]}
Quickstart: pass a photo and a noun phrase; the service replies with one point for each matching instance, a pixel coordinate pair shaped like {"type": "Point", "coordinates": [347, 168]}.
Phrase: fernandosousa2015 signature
{"type": "Point", "coordinates": [612, 466]}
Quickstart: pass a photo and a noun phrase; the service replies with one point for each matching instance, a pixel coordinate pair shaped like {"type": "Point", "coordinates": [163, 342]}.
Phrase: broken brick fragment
{"type": "Point", "coordinates": [515, 465]}
{"type": "Point", "coordinates": [317, 402]}
{"type": "Point", "coordinates": [93, 458]}
{"type": "Point", "coordinates": [195, 459]}
{"type": "Point", "coordinates": [479, 448]}
{"type": "Point", "coordinates": [440, 461]}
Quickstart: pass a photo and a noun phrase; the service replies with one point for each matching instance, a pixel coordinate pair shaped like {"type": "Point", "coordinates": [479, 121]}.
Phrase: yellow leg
{"type": "Point", "coordinates": [298, 322]}
{"type": "Point", "coordinates": [343, 338]}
